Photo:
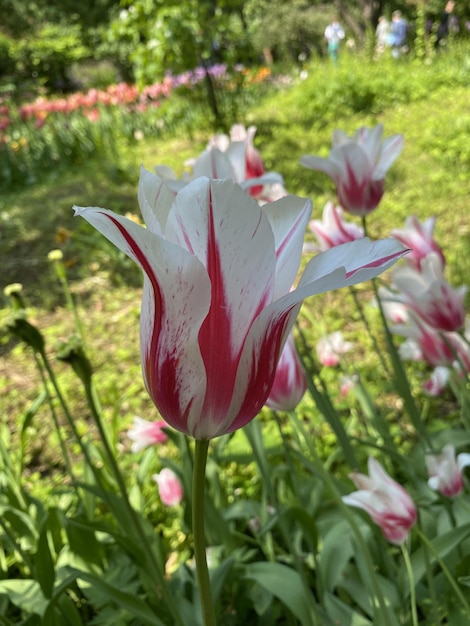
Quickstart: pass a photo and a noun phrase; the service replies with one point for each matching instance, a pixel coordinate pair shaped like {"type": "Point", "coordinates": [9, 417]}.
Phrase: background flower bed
{"type": "Point", "coordinates": [430, 178]}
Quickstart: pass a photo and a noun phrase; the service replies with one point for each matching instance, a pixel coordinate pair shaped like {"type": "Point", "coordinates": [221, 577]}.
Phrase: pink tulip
{"type": "Point", "coordinates": [217, 306]}
{"type": "Point", "coordinates": [446, 471]}
{"type": "Point", "coordinates": [290, 382]}
{"type": "Point", "coordinates": [169, 485]}
{"type": "Point", "coordinates": [145, 434]}
{"type": "Point", "coordinates": [437, 381]}
{"type": "Point", "coordinates": [331, 347]}
{"type": "Point", "coordinates": [427, 344]}
{"type": "Point", "coordinates": [428, 293]}
{"type": "Point", "coordinates": [347, 384]}
{"type": "Point", "coordinates": [418, 237]}
{"type": "Point", "coordinates": [395, 312]}
{"type": "Point", "coordinates": [333, 229]}
{"type": "Point", "coordinates": [387, 503]}
{"type": "Point", "coordinates": [358, 166]}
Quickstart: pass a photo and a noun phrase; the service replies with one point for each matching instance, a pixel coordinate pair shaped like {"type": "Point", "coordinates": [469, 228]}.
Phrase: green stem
{"type": "Point", "coordinates": [63, 447]}
{"type": "Point", "coordinates": [402, 384]}
{"type": "Point", "coordinates": [365, 321]}
{"type": "Point", "coordinates": [409, 571]}
{"type": "Point", "coordinates": [445, 571]}
{"type": "Point", "coordinates": [199, 539]}
{"type": "Point", "coordinates": [326, 408]}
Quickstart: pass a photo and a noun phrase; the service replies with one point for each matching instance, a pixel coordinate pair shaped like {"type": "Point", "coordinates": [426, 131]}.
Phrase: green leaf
{"type": "Point", "coordinates": [82, 540]}
{"type": "Point", "coordinates": [131, 602]}
{"type": "Point", "coordinates": [62, 603]}
{"type": "Point", "coordinates": [336, 552]}
{"type": "Point", "coordinates": [218, 577]}
{"type": "Point", "coordinates": [20, 522]}
{"type": "Point", "coordinates": [44, 563]}
{"type": "Point", "coordinates": [25, 594]}
{"type": "Point", "coordinates": [284, 583]}
{"type": "Point", "coordinates": [340, 613]}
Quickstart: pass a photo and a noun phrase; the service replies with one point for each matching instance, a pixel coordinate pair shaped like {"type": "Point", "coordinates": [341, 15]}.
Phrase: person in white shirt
{"type": "Point", "coordinates": [333, 35]}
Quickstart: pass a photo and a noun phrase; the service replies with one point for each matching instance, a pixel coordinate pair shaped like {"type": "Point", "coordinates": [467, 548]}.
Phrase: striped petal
{"type": "Point", "coordinates": [391, 149]}
{"type": "Point", "coordinates": [175, 302]}
{"type": "Point", "coordinates": [231, 236]}
{"type": "Point", "coordinates": [341, 266]}
{"type": "Point", "coordinates": [327, 166]}
{"type": "Point", "coordinates": [214, 164]}
{"type": "Point", "coordinates": [155, 199]}
{"type": "Point", "coordinates": [288, 218]}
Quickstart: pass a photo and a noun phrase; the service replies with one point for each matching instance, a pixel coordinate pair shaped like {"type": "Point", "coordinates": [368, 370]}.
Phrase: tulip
{"type": "Point", "coordinates": [233, 157]}
{"type": "Point", "coordinates": [331, 347]}
{"type": "Point", "coordinates": [428, 293]}
{"type": "Point", "coordinates": [333, 229]}
{"type": "Point", "coordinates": [445, 471]}
{"type": "Point", "coordinates": [437, 381]}
{"type": "Point", "coordinates": [217, 306]}
{"type": "Point", "coordinates": [428, 344]}
{"type": "Point", "coordinates": [358, 166]}
{"type": "Point", "coordinates": [169, 485]}
{"type": "Point", "coordinates": [145, 434]}
{"type": "Point", "coordinates": [290, 382]}
{"type": "Point", "coordinates": [418, 237]}
{"type": "Point", "coordinates": [387, 503]}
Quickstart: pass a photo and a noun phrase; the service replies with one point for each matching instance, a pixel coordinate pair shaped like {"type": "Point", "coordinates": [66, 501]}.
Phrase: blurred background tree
{"type": "Point", "coordinates": [58, 45]}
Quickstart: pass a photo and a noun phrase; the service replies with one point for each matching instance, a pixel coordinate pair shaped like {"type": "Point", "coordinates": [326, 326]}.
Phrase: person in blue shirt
{"type": "Point", "coordinates": [397, 34]}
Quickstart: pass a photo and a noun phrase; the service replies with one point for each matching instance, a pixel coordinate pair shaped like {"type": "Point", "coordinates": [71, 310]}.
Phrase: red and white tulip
{"type": "Point", "coordinates": [418, 237]}
{"type": "Point", "coordinates": [217, 306]}
{"type": "Point", "coordinates": [358, 166]}
{"type": "Point", "coordinates": [387, 502]}
{"type": "Point", "coordinates": [290, 382]}
{"type": "Point", "coordinates": [333, 230]}
{"type": "Point", "coordinates": [446, 471]}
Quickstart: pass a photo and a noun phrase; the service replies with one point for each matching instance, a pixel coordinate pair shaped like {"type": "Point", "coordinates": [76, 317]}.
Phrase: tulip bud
{"type": "Point", "coordinates": [18, 326]}
{"type": "Point", "coordinates": [169, 487]}
{"type": "Point", "coordinates": [71, 351]}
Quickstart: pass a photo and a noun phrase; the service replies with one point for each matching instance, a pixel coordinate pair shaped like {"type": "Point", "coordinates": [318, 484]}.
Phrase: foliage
{"type": "Point", "coordinates": [290, 30]}
{"type": "Point", "coordinates": [73, 550]}
{"type": "Point", "coordinates": [47, 53]}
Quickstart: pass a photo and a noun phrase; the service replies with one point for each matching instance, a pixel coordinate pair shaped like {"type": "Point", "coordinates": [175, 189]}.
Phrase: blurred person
{"type": "Point", "coordinates": [334, 33]}
{"type": "Point", "coordinates": [381, 34]}
{"type": "Point", "coordinates": [448, 23]}
{"type": "Point", "coordinates": [397, 34]}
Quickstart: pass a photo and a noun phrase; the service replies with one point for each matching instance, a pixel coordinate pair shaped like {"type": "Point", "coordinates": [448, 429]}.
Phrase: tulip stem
{"type": "Point", "coordinates": [409, 570]}
{"type": "Point", "coordinates": [202, 572]}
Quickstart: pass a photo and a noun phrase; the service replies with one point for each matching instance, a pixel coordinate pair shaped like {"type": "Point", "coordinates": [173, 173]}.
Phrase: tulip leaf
{"type": "Point", "coordinates": [285, 584]}
{"type": "Point", "coordinates": [340, 613]}
{"type": "Point", "coordinates": [438, 549]}
{"type": "Point", "coordinates": [128, 601]}
{"type": "Point", "coordinates": [336, 552]}
{"type": "Point", "coordinates": [25, 594]}
{"type": "Point", "coordinates": [44, 562]}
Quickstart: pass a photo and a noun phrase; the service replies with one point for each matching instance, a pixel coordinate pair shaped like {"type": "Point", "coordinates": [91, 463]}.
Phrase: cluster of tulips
{"type": "Point", "coordinates": [220, 254]}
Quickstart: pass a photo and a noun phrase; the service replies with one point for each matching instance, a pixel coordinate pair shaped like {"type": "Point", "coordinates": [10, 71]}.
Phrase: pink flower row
{"type": "Point", "coordinates": [121, 94]}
